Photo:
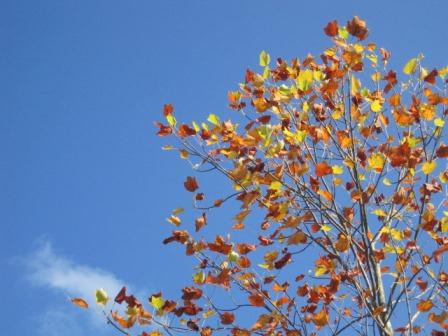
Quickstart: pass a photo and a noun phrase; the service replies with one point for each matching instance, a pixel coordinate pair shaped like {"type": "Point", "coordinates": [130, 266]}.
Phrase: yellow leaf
{"type": "Point", "coordinates": [157, 302]}
{"type": "Point", "coordinates": [427, 112]}
{"type": "Point", "coordinates": [171, 120]}
{"type": "Point", "coordinates": [213, 119]}
{"type": "Point", "coordinates": [397, 234]}
{"type": "Point", "coordinates": [376, 161]}
{"type": "Point", "coordinates": [428, 167]}
{"type": "Point", "coordinates": [376, 76]}
{"type": "Point", "coordinates": [208, 313]}
{"type": "Point", "coordinates": [325, 228]}
{"type": "Point", "coordinates": [379, 212]}
{"type": "Point", "coordinates": [304, 79]}
{"type": "Point", "coordinates": [439, 122]}
{"type": "Point", "coordinates": [387, 182]}
{"type": "Point", "coordinates": [338, 170]}
{"type": "Point", "coordinates": [376, 106]}
{"type": "Point", "coordinates": [444, 224]}
{"type": "Point", "coordinates": [167, 147]}
{"type": "Point", "coordinates": [355, 85]}
{"type": "Point", "coordinates": [410, 67]}
{"type": "Point", "coordinates": [320, 271]}
{"type": "Point", "coordinates": [443, 72]}
{"type": "Point", "coordinates": [196, 126]}
{"type": "Point", "coordinates": [265, 58]}
{"type": "Point", "coordinates": [101, 296]}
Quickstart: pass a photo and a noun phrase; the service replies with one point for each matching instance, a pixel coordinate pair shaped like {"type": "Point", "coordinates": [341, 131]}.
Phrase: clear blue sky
{"type": "Point", "coordinates": [85, 187]}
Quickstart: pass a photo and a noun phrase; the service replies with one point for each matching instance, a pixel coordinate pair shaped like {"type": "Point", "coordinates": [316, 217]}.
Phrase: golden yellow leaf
{"type": "Point", "coordinates": [376, 161]}
{"type": "Point", "coordinates": [379, 212]}
{"type": "Point", "coordinates": [410, 67]}
{"type": "Point", "coordinates": [337, 170]}
{"type": "Point", "coordinates": [428, 167]}
{"type": "Point", "coordinates": [376, 106]}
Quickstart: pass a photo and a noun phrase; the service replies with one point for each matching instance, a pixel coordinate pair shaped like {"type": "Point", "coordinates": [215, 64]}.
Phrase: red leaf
{"type": "Point", "coordinates": [442, 151]}
{"type": "Point", "coordinates": [167, 109]}
{"type": "Point", "coordinates": [282, 261]}
{"type": "Point", "coordinates": [332, 28]}
{"type": "Point", "coordinates": [191, 184]}
{"type": "Point", "coordinates": [121, 296]}
{"type": "Point", "coordinates": [164, 130]}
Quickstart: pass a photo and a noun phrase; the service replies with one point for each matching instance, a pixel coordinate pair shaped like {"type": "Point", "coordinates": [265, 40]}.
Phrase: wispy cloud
{"type": "Point", "coordinates": [45, 268]}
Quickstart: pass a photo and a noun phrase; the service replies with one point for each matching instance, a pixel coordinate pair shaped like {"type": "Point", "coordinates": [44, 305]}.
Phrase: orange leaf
{"type": "Point", "coordinates": [200, 222]}
{"type": "Point", "coordinates": [323, 169]}
{"type": "Point", "coordinates": [321, 319]}
{"type": "Point", "coordinates": [425, 305]}
{"type": "Point", "coordinates": [80, 302]}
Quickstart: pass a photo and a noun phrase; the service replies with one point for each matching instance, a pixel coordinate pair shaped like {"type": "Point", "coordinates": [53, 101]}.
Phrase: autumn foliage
{"type": "Point", "coordinates": [338, 166]}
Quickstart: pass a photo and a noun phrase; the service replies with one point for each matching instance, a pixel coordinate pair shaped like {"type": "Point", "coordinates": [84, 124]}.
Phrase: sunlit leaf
{"type": "Point", "coordinates": [265, 59]}
{"type": "Point", "coordinates": [428, 167]}
{"type": "Point", "coordinates": [411, 66]}
{"type": "Point", "coordinates": [101, 296]}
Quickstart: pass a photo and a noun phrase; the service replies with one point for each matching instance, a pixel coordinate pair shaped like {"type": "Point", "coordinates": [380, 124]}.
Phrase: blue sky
{"type": "Point", "coordinates": [85, 188]}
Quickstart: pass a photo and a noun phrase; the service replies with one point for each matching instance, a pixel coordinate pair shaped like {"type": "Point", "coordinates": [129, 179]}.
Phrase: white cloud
{"type": "Point", "coordinates": [58, 272]}
{"type": "Point", "coordinates": [45, 268]}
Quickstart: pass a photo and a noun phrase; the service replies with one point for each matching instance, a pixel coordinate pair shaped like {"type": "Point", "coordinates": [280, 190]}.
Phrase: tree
{"type": "Point", "coordinates": [338, 165]}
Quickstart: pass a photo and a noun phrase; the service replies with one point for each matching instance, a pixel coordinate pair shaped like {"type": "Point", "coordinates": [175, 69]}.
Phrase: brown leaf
{"type": "Point", "coordinates": [80, 302]}
{"type": "Point", "coordinates": [256, 300]}
{"type": "Point", "coordinates": [442, 151]}
{"type": "Point", "coordinates": [245, 248]}
{"type": "Point", "coordinates": [227, 318]}
{"type": "Point", "coordinates": [283, 261]}
{"type": "Point", "coordinates": [191, 293]}
{"type": "Point", "coordinates": [191, 184]}
{"type": "Point", "coordinates": [220, 246]}
{"type": "Point", "coordinates": [121, 296]}
{"type": "Point", "coordinates": [357, 27]}
{"type": "Point", "coordinates": [178, 236]}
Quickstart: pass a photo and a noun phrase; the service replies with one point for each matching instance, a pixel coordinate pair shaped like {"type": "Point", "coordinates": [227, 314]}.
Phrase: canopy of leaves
{"type": "Point", "coordinates": [344, 161]}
